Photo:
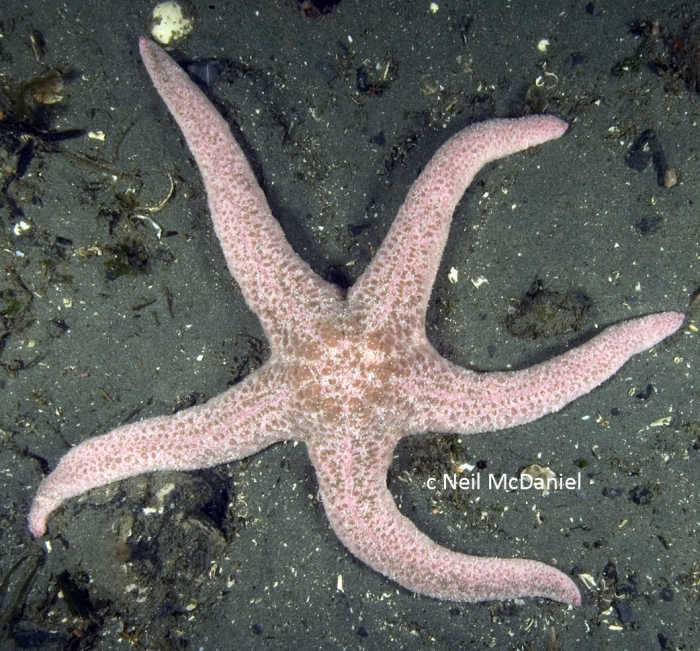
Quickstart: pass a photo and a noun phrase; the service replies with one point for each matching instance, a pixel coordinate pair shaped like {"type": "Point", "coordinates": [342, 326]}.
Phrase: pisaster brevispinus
{"type": "Point", "coordinates": [350, 373]}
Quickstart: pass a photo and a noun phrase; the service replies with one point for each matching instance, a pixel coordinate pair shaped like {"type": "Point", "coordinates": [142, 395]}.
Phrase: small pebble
{"type": "Point", "coordinates": [670, 178]}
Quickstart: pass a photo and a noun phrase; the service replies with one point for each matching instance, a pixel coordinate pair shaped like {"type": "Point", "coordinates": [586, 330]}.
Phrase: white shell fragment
{"type": "Point", "coordinates": [588, 581]}
{"type": "Point", "coordinates": [21, 227]}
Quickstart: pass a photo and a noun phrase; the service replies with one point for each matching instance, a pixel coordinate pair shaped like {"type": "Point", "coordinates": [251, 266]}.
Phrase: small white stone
{"type": "Point", "coordinates": [169, 23]}
{"type": "Point", "coordinates": [21, 227]}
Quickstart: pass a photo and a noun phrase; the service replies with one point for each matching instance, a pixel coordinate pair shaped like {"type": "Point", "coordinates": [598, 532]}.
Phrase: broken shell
{"type": "Point", "coordinates": [538, 472]}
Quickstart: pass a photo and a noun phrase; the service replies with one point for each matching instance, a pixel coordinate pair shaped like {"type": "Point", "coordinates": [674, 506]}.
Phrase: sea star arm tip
{"type": "Point", "coordinates": [454, 399]}
{"type": "Point", "coordinates": [244, 420]}
{"type": "Point", "coordinates": [280, 287]}
{"type": "Point", "coordinates": [399, 279]}
{"type": "Point", "coordinates": [363, 514]}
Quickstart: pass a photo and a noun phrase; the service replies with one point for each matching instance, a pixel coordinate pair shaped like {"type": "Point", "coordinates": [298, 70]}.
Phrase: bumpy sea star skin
{"type": "Point", "coordinates": [351, 374]}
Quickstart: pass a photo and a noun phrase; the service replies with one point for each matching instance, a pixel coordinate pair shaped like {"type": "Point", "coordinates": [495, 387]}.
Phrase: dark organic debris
{"type": "Point", "coordinates": [13, 595]}
{"type": "Point", "coordinates": [610, 573]}
{"type": "Point", "coordinates": [18, 128]}
{"type": "Point", "coordinates": [684, 54]}
{"type": "Point", "coordinates": [43, 463]}
{"type": "Point", "coordinates": [374, 80]}
{"type": "Point", "coordinates": [648, 225]}
{"type": "Point", "coordinates": [623, 608]}
{"type": "Point", "coordinates": [15, 315]}
{"type": "Point", "coordinates": [131, 256]}
{"type": "Point", "coordinates": [206, 72]}
{"type": "Point", "coordinates": [315, 8]}
{"type": "Point", "coordinates": [217, 508]}
{"type": "Point", "coordinates": [22, 139]}
{"type": "Point", "coordinates": [650, 51]}
{"type": "Point", "coordinates": [671, 54]}
{"type": "Point", "coordinates": [577, 59]}
{"type": "Point", "coordinates": [546, 313]}
{"type": "Point", "coordinates": [666, 593]}
{"type": "Point", "coordinates": [77, 597]}
{"type": "Point", "coordinates": [646, 393]}
{"type": "Point", "coordinates": [25, 116]}
{"type": "Point", "coordinates": [126, 258]}
{"type": "Point", "coordinates": [641, 495]}
{"type": "Point", "coordinates": [612, 493]}
{"type": "Point", "coordinates": [647, 148]}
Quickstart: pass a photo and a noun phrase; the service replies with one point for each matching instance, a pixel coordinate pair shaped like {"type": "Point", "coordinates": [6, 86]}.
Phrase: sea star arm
{"type": "Point", "coordinates": [455, 399]}
{"type": "Point", "coordinates": [362, 512]}
{"type": "Point", "coordinates": [249, 417]}
{"type": "Point", "coordinates": [400, 277]}
{"type": "Point", "coordinates": [277, 284]}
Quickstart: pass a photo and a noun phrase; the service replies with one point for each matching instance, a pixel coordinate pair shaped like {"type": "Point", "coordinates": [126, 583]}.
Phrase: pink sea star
{"type": "Point", "coordinates": [351, 373]}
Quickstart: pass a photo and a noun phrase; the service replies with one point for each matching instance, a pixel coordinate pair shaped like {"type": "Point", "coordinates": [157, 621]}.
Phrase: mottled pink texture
{"type": "Point", "coordinates": [350, 375]}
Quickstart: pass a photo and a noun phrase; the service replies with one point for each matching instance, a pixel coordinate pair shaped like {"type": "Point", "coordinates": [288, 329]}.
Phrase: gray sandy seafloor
{"type": "Point", "coordinates": [106, 323]}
